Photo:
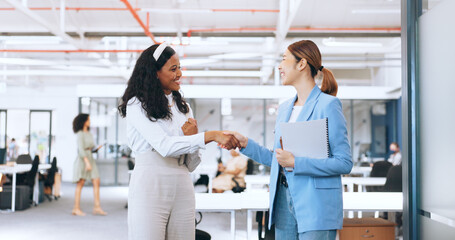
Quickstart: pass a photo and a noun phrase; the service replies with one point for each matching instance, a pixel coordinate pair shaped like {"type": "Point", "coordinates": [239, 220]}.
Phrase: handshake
{"type": "Point", "coordinates": [225, 139]}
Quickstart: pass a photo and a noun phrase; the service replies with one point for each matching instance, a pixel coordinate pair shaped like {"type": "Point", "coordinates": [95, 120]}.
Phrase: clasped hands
{"type": "Point", "coordinates": [227, 140]}
{"type": "Point", "coordinates": [285, 158]}
{"type": "Point", "coordinates": [232, 140]}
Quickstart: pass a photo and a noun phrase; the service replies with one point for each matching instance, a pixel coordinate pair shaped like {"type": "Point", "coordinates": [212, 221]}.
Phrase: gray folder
{"type": "Point", "coordinates": [306, 139]}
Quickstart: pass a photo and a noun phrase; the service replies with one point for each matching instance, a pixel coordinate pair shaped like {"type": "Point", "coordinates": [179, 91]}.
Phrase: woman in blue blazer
{"type": "Point", "coordinates": [305, 194]}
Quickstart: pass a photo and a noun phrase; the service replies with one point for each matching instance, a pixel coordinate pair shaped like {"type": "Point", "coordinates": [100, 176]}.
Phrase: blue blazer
{"type": "Point", "coordinates": [315, 184]}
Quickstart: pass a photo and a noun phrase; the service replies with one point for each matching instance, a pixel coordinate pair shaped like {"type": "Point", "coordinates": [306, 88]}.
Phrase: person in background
{"type": "Point", "coordinates": [164, 138]}
{"type": "Point", "coordinates": [395, 157]}
{"type": "Point", "coordinates": [306, 194]}
{"type": "Point", "coordinates": [12, 150]}
{"type": "Point", "coordinates": [84, 165]}
{"type": "Point", "coordinates": [235, 169]}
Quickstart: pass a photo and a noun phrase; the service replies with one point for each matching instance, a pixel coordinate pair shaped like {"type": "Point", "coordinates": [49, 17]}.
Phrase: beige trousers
{"type": "Point", "coordinates": [161, 202]}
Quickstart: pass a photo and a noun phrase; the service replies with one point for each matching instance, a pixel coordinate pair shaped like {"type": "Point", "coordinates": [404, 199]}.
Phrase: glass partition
{"type": "Point", "coordinates": [40, 134]}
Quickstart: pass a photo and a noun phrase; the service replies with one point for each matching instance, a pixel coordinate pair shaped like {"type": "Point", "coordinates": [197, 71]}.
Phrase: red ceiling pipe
{"type": "Point", "coordinates": [190, 31]}
{"type": "Point", "coordinates": [229, 30]}
{"type": "Point", "coordinates": [146, 30]}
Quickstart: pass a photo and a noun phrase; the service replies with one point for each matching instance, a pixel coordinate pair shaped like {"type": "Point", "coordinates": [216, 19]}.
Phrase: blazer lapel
{"type": "Point", "coordinates": [309, 105]}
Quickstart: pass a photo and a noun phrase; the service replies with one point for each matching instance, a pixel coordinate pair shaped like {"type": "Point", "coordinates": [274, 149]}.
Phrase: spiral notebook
{"type": "Point", "coordinates": [306, 139]}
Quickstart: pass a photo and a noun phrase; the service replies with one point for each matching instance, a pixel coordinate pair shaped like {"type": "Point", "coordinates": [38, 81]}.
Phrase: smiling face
{"type": "Point", "coordinates": [169, 75]}
{"type": "Point", "coordinates": [289, 69]}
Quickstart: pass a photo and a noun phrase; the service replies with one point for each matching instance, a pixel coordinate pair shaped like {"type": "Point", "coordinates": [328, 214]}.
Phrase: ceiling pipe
{"type": "Point", "coordinates": [146, 30]}
{"type": "Point", "coordinates": [74, 9]}
{"type": "Point", "coordinates": [146, 10]}
{"type": "Point", "coordinates": [71, 51]}
{"type": "Point", "coordinates": [190, 31]}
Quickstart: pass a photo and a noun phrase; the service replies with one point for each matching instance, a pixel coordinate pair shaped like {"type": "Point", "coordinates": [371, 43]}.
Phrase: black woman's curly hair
{"type": "Point", "coordinates": [146, 87]}
{"type": "Point", "coordinates": [79, 121]}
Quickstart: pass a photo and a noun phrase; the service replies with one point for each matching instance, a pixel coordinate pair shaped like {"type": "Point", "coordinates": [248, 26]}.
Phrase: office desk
{"type": "Point", "coordinates": [219, 202]}
{"type": "Point", "coordinates": [251, 180]}
{"type": "Point", "coordinates": [365, 171]}
{"type": "Point", "coordinates": [362, 181]}
{"type": "Point", "coordinates": [22, 168]}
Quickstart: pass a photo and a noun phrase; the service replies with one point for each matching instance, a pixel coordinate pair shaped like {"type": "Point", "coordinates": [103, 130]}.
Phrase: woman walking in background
{"type": "Point", "coordinates": [164, 137]}
{"type": "Point", "coordinates": [306, 193]}
{"type": "Point", "coordinates": [85, 166]}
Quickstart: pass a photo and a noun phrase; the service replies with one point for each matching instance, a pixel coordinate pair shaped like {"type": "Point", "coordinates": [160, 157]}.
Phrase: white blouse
{"type": "Point", "coordinates": [164, 136]}
{"type": "Point", "coordinates": [295, 113]}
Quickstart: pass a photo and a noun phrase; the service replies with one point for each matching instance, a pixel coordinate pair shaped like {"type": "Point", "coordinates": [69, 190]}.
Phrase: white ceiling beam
{"type": "Point", "coordinates": [178, 21]}
{"type": "Point", "coordinates": [53, 29]}
{"type": "Point", "coordinates": [288, 10]}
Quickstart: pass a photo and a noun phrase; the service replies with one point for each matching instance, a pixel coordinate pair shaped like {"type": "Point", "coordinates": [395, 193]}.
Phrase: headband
{"type": "Point", "coordinates": [159, 50]}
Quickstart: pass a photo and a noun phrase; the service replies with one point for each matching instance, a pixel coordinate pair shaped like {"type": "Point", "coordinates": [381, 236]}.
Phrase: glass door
{"type": "Point", "coordinates": [17, 133]}
{"type": "Point", "coordinates": [40, 134]}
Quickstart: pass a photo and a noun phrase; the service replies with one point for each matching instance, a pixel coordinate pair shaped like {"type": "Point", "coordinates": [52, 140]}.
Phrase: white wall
{"type": "Point", "coordinates": [64, 103]}
{"type": "Point", "coordinates": [436, 53]}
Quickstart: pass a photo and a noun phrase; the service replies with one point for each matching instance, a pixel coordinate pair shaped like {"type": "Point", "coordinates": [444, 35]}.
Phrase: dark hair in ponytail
{"type": "Point", "coordinates": [146, 87]}
{"type": "Point", "coordinates": [309, 51]}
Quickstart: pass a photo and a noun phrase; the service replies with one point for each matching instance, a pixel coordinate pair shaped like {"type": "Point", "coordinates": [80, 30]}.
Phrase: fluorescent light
{"type": "Point", "coordinates": [196, 73]}
{"type": "Point", "coordinates": [331, 42]}
{"type": "Point", "coordinates": [376, 11]}
{"type": "Point", "coordinates": [25, 61]}
{"type": "Point", "coordinates": [193, 62]}
{"type": "Point", "coordinates": [170, 10]}
{"type": "Point", "coordinates": [236, 56]}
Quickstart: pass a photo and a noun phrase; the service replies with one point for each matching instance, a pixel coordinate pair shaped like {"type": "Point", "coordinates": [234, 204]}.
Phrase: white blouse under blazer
{"type": "Point", "coordinates": [163, 136]}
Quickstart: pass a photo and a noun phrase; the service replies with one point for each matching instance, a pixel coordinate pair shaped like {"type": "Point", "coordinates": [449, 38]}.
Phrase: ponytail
{"type": "Point", "coordinates": [308, 50]}
{"type": "Point", "coordinates": [329, 84]}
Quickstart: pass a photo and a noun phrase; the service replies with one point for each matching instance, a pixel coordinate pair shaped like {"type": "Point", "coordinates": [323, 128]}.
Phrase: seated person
{"type": "Point", "coordinates": [235, 168]}
{"type": "Point", "coordinates": [395, 157]}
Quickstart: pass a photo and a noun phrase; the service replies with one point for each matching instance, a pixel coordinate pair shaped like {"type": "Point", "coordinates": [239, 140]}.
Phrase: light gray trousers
{"type": "Point", "coordinates": [161, 202]}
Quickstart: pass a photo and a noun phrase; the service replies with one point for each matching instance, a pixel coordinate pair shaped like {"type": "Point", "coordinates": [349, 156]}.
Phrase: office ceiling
{"type": "Point", "coordinates": [238, 42]}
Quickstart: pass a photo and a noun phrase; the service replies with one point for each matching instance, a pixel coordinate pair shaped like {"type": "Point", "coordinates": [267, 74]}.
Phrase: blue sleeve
{"type": "Point", "coordinates": [258, 153]}
{"type": "Point", "coordinates": [339, 161]}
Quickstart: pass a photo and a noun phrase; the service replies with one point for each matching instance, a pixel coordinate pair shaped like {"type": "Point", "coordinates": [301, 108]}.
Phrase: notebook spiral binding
{"type": "Point", "coordinates": [327, 127]}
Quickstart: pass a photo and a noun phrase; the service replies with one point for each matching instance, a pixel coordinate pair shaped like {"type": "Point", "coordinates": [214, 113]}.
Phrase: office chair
{"type": "Point", "coordinates": [24, 159]}
{"type": "Point", "coordinates": [394, 184]}
{"type": "Point", "coordinates": [394, 180]}
{"type": "Point", "coordinates": [379, 169]}
{"type": "Point", "coordinates": [49, 180]}
{"type": "Point", "coordinates": [2, 155]}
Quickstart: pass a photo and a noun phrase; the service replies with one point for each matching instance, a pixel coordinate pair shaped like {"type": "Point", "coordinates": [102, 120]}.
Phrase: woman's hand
{"type": "Point", "coordinates": [228, 141]}
{"type": "Point", "coordinates": [242, 139]}
{"type": "Point", "coordinates": [190, 127]}
{"type": "Point", "coordinates": [285, 158]}
{"type": "Point", "coordinates": [88, 167]}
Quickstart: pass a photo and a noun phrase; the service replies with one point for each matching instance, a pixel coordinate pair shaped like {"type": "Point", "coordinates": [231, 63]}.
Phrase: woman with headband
{"type": "Point", "coordinates": [165, 140]}
{"type": "Point", "coordinates": [306, 193]}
